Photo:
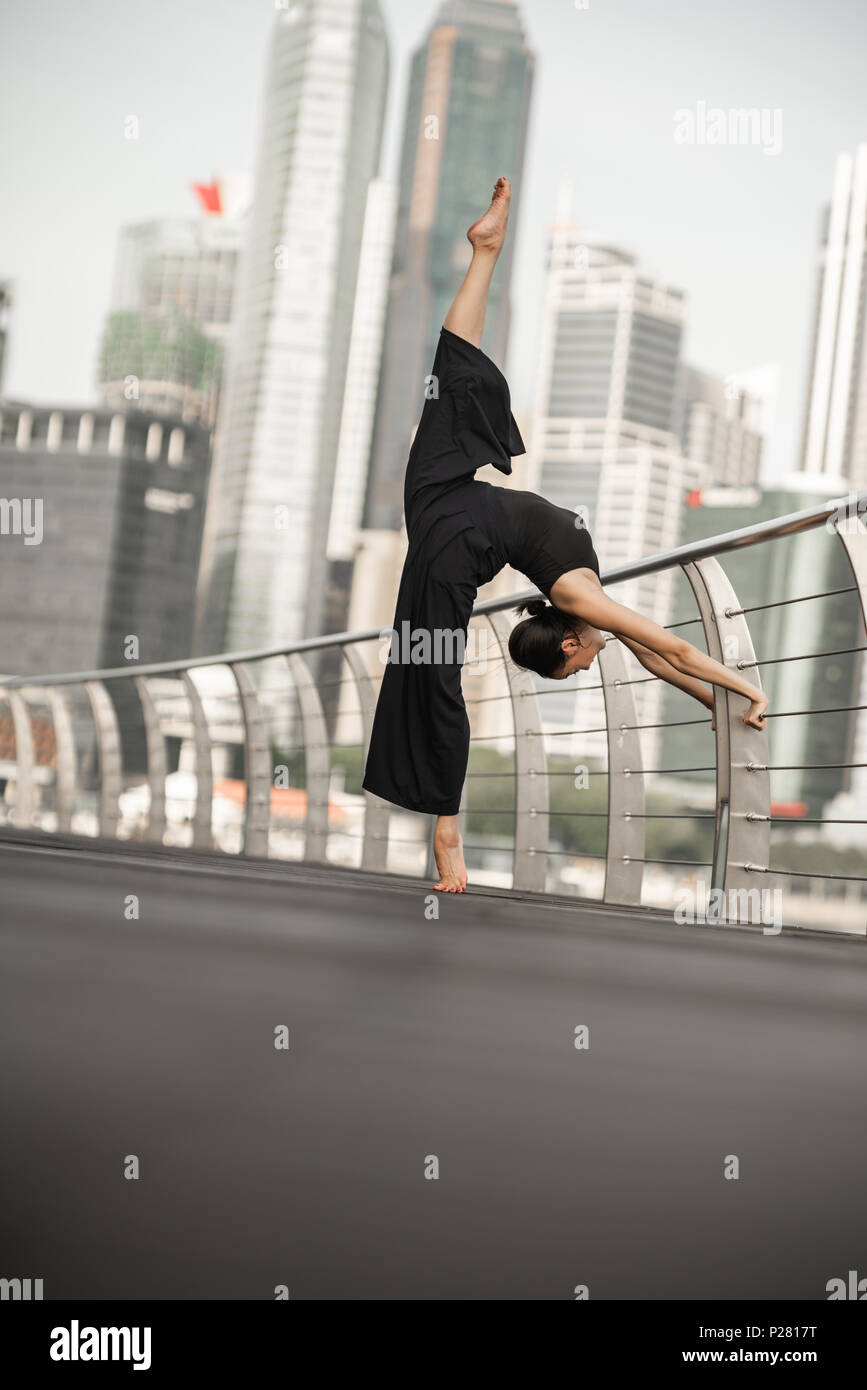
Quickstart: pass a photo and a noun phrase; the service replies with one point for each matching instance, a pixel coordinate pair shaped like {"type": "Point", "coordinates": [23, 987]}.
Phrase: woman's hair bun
{"type": "Point", "coordinates": [536, 643]}
{"type": "Point", "coordinates": [534, 606]}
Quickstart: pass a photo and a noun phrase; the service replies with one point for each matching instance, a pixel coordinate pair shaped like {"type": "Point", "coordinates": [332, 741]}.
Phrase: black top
{"type": "Point", "coordinates": [546, 540]}
{"type": "Point", "coordinates": [466, 423]}
{"type": "Point", "coordinates": [461, 532]}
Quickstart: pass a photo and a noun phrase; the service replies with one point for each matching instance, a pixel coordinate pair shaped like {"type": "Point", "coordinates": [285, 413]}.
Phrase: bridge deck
{"type": "Point", "coordinates": [411, 1037]}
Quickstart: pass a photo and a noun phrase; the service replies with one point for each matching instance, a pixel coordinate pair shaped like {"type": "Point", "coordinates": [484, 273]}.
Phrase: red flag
{"type": "Point", "coordinates": [209, 196]}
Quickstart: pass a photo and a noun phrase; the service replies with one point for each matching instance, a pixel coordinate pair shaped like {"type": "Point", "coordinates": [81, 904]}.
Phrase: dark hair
{"type": "Point", "coordinates": [535, 643]}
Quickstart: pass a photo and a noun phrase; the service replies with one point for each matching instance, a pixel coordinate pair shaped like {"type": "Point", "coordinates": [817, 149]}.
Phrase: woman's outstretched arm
{"type": "Point", "coordinates": [652, 661]}
{"type": "Point", "coordinates": [576, 595]}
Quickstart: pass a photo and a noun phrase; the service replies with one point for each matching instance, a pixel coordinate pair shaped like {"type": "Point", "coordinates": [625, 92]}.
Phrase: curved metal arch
{"type": "Point", "coordinates": [851, 531]}
{"type": "Point", "coordinates": [530, 871]}
{"type": "Point", "coordinates": [624, 864]}
{"type": "Point", "coordinates": [110, 758]}
{"type": "Point", "coordinates": [257, 764]}
{"type": "Point", "coordinates": [204, 767]}
{"type": "Point", "coordinates": [316, 760]}
{"type": "Point", "coordinates": [742, 832]}
{"type": "Point", "coordinates": [377, 813]}
{"type": "Point", "coordinates": [156, 757]}
{"type": "Point", "coordinates": [25, 787]}
{"type": "Point", "coordinates": [853, 535]}
{"type": "Point", "coordinates": [66, 769]}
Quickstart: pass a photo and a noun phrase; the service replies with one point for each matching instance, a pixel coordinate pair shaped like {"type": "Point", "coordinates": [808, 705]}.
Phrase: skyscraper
{"type": "Point", "coordinates": [610, 361]}
{"type": "Point", "coordinates": [264, 577]}
{"type": "Point", "coordinates": [359, 400]}
{"type": "Point", "coordinates": [718, 424]}
{"type": "Point", "coordinates": [171, 307]}
{"type": "Point", "coordinates": [835, 421]}
{"type": "Point", "coordinates": [120, 499]}
{"type": "Point", "coordinates": [835, 418]}
{"type": "Point", "coordinates": [465, 124]}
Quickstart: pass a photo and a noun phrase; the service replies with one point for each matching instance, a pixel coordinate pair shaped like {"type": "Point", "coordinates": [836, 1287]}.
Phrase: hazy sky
{"type": "Point", "coordinates": [734, 227]}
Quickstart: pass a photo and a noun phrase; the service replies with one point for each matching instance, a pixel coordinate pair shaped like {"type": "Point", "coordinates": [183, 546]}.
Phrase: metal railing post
{"type": "Point", "coordinates": [156, 760]}
{"type": "Point", "coordinates": [66, 762]}
{"type": "Point", "coordinates": [109, 752]}
{"type": "Point", "coordinates": [854, 541]}
{"type": "Point", "coordinates": [851, 531]}
{"type": "Point", "coordinates": [374, 850]}
{"type": "Point", "coordinates": [530, 871]}
{"type": "Point", "coordinates": [25, 787]}
{"type": "Point", "coordinates": [624, 866]}
{"type": "Point", "coordinates": [722, 741]}
{"type": "Point", "coordinates": [742, 832]}
{"type": "Point", "coordinates": [204, 765]}
{"type": "Point", "coordinates": [317, 765]}
{"type": "Point", "coordinates": [257, 764]}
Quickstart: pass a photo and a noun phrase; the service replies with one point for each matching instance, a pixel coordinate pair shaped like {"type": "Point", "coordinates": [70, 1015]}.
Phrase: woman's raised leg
{"type": "Point", "coordinates": [466, 317]}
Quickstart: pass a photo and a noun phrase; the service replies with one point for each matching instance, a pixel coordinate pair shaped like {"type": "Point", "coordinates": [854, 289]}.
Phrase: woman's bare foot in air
{"type": "Point", "coordinates": [449, 854]}
{"type": "Point", "coordinates": [489, 233]}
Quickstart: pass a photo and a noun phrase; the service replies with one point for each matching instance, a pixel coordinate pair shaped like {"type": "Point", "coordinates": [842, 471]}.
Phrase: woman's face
{"type": "Point", "coordinates": [580, 650]}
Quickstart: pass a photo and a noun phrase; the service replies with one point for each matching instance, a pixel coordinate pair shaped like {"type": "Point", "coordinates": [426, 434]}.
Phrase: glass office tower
{"type": "Point", "coordinates": [264, 578]}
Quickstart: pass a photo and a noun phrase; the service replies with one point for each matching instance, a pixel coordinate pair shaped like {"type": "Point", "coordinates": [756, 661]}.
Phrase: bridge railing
{"type": "Point", "coordinates": [261, 752]}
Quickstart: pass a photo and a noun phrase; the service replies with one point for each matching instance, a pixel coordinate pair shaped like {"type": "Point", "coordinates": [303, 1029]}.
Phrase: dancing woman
{"type": "Point", "coordinates": [461, 532]}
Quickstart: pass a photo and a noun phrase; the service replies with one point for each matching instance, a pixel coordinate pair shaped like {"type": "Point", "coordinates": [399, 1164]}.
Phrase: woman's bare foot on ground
{"type": "Point", "coordinates": [449, 854]}
{"type": "Point", "coordinates": [489, 232]}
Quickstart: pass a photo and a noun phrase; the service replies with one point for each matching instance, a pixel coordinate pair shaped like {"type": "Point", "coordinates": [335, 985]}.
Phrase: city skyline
{"type": "Point", "coordinates": [735, 227]}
